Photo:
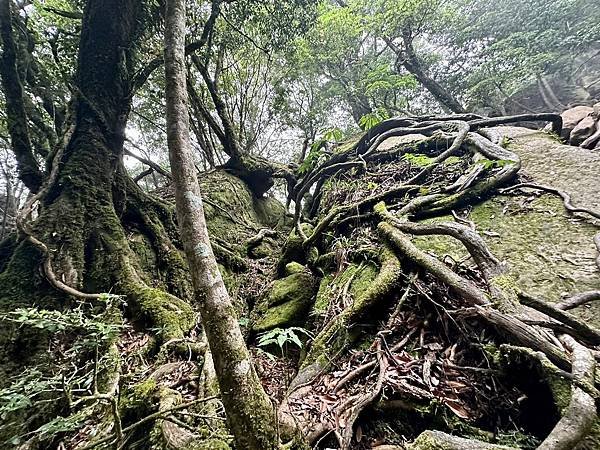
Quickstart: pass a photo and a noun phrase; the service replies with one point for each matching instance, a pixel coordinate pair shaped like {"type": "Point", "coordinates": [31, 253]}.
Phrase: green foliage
{"type": "Point", "coordinates": [75, 320]}
{"type": "Point", "coordinates": [368, 121]}
{"type": "Point", "coordinates": [77, 335]}
{"type": "Point", "coordinates": [317, 149]}
{"type": "Point", "coordinates": [33, 391]}
{"type": "Point", "coordinates": [282, 337]}
{"type": "Point", "coordinates": [510, 43]}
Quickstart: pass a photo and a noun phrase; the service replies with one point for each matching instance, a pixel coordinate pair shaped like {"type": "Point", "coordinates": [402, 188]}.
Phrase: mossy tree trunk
{"type": "Point", "coordinates": [249, 410]}
{"type": "Point", "coordinates": [83, 215]}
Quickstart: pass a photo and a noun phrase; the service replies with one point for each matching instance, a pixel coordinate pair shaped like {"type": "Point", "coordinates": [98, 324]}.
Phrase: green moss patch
{"type": "Point", "coordinates": [288, 302]}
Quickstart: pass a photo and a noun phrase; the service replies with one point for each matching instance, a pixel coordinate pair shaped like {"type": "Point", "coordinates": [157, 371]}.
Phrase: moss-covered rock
{"type": "Point", "coordinates": [549, 252]}
{"type": "Point", "coordinates": [294, 249]}
{"type": "Point", "coordinates": [436, 440]}
{"type": "Point", "coordinates": [271, 212]}
{"type": "Point", "coordinates": [288, 302]}
{"type": "Point", "coordinates": [293, 268]}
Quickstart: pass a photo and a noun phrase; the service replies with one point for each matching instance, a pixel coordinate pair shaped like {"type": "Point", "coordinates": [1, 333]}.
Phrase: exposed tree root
{"type": "Point", "coordinates": [350, 410]}
{"type": "Point", "coordinates": [564, 195]}
{"type": "Point", "coordinates": [578, 300]}
{"type": "Point", "coordinates": [580, 415]}
{"type": "Point", "coordinates": [488, 296]}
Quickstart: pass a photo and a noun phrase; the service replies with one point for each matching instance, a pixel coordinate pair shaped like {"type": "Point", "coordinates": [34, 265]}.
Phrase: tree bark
{"type": "Point", "coordinates": [249, 411]}
{"type": "Point", "coordinates": [29, 171]}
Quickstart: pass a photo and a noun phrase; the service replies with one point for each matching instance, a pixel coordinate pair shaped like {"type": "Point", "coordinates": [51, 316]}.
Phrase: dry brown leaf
{"type": "Point", "coordinates": [457, 409]}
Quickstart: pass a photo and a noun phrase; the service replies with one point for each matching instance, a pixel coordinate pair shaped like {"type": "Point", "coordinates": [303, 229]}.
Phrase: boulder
{"type": "Point", "coordinates": [550, 253]}
{"type": "Point", "coordinates": [288, 302]}
{"type": "Point", "coordinates": [571, 117]}
{"type": "Point", "coordinates": [583, 130]}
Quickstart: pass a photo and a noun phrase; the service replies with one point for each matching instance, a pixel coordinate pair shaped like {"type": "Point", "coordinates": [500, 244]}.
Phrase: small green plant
{"type": "Point", "coordinates": [317, 149]}
{"type": "Point", "coordinates": [282, 337]}
{"type": "Point", "coordinates": [371, 119]}
{"type": "Point", "coordinates": [493, 164]}
{"type": "Point", "coordinates": [77, 333]}
{"type": "Point", "coordinates": [505, 142]}
{"type": "Point", "coordinates": [59, 322]}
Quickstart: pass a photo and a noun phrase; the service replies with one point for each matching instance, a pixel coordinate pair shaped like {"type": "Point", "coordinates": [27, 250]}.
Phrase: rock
{"type": "Point", "coordinates": [583, 130]}
{"type": "Point", "coordinates": [289, 301]}
{"type": "Point", "coordinates": [294, 267]}
{"type": "Point", "coordinates": [547, 252]}
{"type": "Point", "coordinates": [571, 117]}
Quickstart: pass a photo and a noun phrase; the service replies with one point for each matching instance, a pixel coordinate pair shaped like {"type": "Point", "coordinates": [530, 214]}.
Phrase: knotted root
{"type": "Point", "coordinates": [580, 415]}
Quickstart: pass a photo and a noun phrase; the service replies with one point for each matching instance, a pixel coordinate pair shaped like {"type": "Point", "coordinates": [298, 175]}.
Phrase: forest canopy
{"type": "Point", "coordinates": [267, 224]}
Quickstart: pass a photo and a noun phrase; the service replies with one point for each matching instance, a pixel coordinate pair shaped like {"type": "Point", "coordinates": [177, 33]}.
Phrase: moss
{"type": "Point", "coordinates": [135, 402]}
{"type": "Point", "coordinates": [270, 212]}
{"type": "Point", "coordinates": [298, 286]}
{"type": "Point", "coordinates": [293, 268]}
{"type": "Point", "coordinates": [288, 302]}
{"type": "Point", "coordinates": [170, 315]}
{"type": "Point", "coordinates": [426, 442]}
{"type": "Point", "coordinates": [324, 295]}
{"type": "Point", "coordinates": [418, 159]}
{"type": "Point", "coordinates": [435, 440]}
{"type": "Point", "coordinates": [209, 444]}
{"type": "Point", "coordinates": [234, 214]}
{"type": "Point", "coordinates": [288, 314]}
{"type": "Point", "coordinates": [548, 253]}
{"type": "Point", "coordinates": [142, 247]}
{"type": "Point", "coordinates": [360, 277]}
{"type": "Point", "coordinates": [370, 287]}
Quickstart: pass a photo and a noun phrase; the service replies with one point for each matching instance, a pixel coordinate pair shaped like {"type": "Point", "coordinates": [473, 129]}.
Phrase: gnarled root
{"type": "Point", "coordinates": [580, 415]}
{"type": "Point", "coordinates": [438, 440]}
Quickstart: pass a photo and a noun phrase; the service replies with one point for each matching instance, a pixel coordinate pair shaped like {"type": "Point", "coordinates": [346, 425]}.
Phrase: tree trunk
{"type": "Point", "coordinates": [249, 411]}
{"type": "Point", "coordinates": [408, 58]}
{"type": "Point", "coordinates": [359, 105]}
{"type": "Point", "coordinates": [82, 214]}
{"type": "Point", "coordinates": [29, 171]}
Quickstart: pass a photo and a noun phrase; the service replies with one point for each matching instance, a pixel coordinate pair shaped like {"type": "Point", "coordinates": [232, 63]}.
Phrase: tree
{"type": "Point", "coordinates": [340, 58]}
{"type": "Point", "coordinates": [249, 411]}
{"type": "Point", "coordinates": [514, 45]}
{"type": "Point", "coordinates": [422, 292]}
{"type": "Point", "coordinates": [86, 199]}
